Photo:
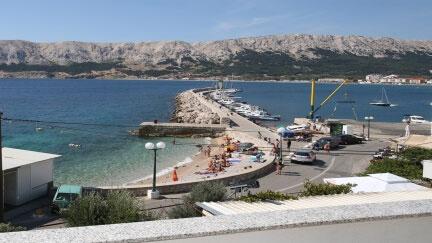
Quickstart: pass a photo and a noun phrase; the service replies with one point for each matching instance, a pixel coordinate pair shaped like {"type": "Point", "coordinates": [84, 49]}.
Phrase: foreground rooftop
{"type": "Point", "coordinates": [330, 223]}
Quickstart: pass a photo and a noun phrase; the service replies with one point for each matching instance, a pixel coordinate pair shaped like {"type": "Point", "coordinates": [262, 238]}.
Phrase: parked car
{"type": "Point", "coordinates": [414, 119]}
{"type": "Point", "coordinates": [245, 146]}
{"type": "Point", "coordinates": [319, 144]}
{"type": "Point", "coordinates": [350, 139]}
{"type": "Point", "coordinates": [64, 196]}
{"type": "Point", "coordinates": [303, 156]}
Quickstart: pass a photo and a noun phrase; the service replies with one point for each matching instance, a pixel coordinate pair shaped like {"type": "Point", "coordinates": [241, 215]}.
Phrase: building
{"type": "Point", "coordinates": [27, 175]}
{"type": "Point", "coordinates": [373, 78]}
{"type": "Point", "coordinates": [381, 182]}
{"type": "Point", "coordinates": [416, 80]}
{"type": "Point", "coordinates": [393, 79]}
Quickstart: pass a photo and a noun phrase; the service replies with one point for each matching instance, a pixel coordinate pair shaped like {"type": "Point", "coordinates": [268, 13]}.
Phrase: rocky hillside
{"type": "Point", "coordinates": [287, 56]}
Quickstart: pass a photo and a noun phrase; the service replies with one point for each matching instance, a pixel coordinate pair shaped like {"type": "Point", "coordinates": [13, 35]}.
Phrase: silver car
{"type": "Point", "coordinates": [303, 156]}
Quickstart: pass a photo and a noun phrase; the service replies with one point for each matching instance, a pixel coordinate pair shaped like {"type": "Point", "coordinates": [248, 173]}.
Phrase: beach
{"type": "Point", "coordinates": [196, 169]}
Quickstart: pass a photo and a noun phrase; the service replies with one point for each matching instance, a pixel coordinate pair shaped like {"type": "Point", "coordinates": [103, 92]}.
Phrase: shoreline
{"type": "Point", "coordinates": [212, 80]}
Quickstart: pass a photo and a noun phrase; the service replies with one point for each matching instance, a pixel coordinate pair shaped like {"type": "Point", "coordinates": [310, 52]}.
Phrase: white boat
{"type": "Point", "coordinates": [297, 128]}
{"type": "Point", "coordinates": [384, 101]}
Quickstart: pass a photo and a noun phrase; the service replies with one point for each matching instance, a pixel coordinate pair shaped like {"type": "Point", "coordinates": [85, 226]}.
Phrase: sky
{"type": "Point", "coordinates": [203, 20]}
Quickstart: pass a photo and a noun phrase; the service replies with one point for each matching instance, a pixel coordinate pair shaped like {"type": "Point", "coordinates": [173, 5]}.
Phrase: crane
{"type": "Point", "coordinates": [313, 110]}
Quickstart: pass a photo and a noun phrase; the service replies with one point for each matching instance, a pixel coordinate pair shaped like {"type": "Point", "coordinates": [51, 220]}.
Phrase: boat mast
{"type": "Point", "coordinates": [384, 94]}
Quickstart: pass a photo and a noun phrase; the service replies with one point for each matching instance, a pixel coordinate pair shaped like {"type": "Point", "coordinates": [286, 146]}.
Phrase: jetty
{"type": "Point", "coordinates": [198, 115]}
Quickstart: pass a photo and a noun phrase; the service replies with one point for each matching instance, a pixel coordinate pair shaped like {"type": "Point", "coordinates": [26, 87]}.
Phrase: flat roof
{"type": "Point", "coordinates": [13, 158]}
{"type": "Point", "coordinates": [382, 182]}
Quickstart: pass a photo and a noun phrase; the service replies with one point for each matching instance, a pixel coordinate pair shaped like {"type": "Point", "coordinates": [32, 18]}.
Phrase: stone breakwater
{"type": "Point", "coordinates": [190, 110]}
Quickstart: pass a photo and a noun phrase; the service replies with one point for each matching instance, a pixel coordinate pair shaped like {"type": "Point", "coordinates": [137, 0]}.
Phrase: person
{"type": "Point", "coordinates": [278, 168]}
{"type": "Point", "coordinates": [208, 151]}
{"type": "Point", "coordinates": [327, 147]}
{"type": "Point", "coordinates": [407, 129]}
{"type": "Point", "coordinates": [259, 135]}
{"type": "Point", "coordinates": [289, 145]}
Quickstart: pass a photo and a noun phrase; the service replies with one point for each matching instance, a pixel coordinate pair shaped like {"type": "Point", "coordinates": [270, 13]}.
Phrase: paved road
{"type": "Point", "coordinates": [242, 123]}
{"type": "Point", "coordinates": [344, 162]}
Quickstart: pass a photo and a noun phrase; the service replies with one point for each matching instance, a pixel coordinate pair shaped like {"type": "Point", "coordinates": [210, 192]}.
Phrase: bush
{"type": "Point", "coordinates": [268, 195]}
{"type": "Point", "coordinates": [207, 192]}
{"type": "Point", "coordinates": [93, 209]}
{"type": "Point", "coordinates": [187, 210]}
{"type": "Point", "coordinates": [122, 207]}
{"type": "Point", "coordinates": [8, 227]}
{"type": "Point", "coordinates": [312, 189]}
{"type": "Point", "coordinates": [416, 155]}
{"type": "Point", "coordinates": [87, 210]}
{"type": "Point", "coordinates": [202, 192]}
{"type": "Point", "coordinates": [400, 167]}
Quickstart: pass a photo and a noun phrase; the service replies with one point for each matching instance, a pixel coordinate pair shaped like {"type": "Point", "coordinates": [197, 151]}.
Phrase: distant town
{"type": "Point", "coordinates": [384, 79]}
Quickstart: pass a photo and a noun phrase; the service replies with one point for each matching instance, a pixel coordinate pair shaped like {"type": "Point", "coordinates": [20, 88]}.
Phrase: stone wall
{"type": "Point", "coordinates": [190, 110]}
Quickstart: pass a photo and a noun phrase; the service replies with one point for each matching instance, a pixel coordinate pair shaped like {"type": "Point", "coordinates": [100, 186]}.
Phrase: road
{"type": "Point", "coordinates": [347, 161]}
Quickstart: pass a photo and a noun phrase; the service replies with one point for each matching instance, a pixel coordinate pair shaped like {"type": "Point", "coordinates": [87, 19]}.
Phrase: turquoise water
{"type": "Point", "coordinates": [109, 156]}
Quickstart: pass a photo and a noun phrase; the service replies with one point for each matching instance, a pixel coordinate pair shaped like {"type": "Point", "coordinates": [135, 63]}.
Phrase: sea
{"type": "Point", "coordinates": [98, 115]}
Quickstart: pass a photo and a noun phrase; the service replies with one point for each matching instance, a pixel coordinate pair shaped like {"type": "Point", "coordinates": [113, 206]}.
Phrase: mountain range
{"type": "Point", "coordinates": [268, 57]}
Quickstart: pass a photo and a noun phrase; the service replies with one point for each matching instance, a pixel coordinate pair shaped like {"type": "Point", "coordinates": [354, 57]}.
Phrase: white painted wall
{"type": "Point", "coordinates": [31, 181]}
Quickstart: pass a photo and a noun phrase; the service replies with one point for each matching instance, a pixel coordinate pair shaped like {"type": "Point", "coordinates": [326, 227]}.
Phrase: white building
{"type": "Point", "coordinates": [27, 175]}
{"type": "Point", "coordinates": [393, 78]}
{"type": "Point", "coordinates": [373, 78]}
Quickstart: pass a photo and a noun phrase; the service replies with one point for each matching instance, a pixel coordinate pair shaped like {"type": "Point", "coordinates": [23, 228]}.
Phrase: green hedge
{"type": "Point", "coordinates": [408, 164]}
{"type": "Point", "coordinates": [202, 192]}
{"type": "Point", "coordinates": [8, 227]}
{"type": "Point", "coordinates": [116, 207]}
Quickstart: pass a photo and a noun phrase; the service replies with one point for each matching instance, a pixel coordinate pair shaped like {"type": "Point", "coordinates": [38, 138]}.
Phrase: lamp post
{"type": "Point", "coordinates": [153, 193]}
{"type": "Point", "coordinates": [368, 118]}
{"type": "Point", "coordinates": [281, 131]}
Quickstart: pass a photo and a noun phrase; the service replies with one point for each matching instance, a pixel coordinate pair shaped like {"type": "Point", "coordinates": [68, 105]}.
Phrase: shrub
{"type": "Point", "coordinates": [416, 155]}
{"type": "Point", "coordinates": [93, 209]}
{"type": "Point", "coordinates": [87, 210]}
{"type": "Point", "coordinates": [8, 227]}
{"type": "Point", "coordinates": [207, 192]}
{"type": "Point", "coordinates": [267, 195]}
{"type": "Point", "coordinates": [202, 192]}
{"type": "Point", "coordinates": [122, 207]}
{"type": "Point", "coordinates": [400, 167]}
{"type": "Point", "coordinates": [312, 189]}
{"type": "Point", "coordinates": [187, 210]}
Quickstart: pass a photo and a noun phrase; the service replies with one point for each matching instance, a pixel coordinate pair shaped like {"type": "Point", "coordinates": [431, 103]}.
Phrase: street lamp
{"type": "Point", "coordinates": [281, 131]}
{"type": "Point", "coordinates": [368, 118]}
{"type": "Point", "coordinates": [153, 193]}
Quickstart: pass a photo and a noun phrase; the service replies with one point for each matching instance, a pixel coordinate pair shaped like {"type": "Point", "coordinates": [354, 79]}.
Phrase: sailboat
{"type": "Point", "coordinates": [384, 100]}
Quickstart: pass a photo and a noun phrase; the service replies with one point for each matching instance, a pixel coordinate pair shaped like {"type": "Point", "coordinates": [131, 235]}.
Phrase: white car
{"type": "Point", "coordinates": [303, 156]}
{"type": "Point", "coordinates": [415, 119]}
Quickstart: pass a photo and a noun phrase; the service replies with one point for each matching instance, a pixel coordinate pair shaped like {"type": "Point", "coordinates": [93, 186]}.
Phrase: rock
{"type": "Point", "coordinates": [190, 110]}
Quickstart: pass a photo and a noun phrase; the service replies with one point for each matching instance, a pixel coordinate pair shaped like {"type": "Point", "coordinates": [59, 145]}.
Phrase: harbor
{"type": "Point", "coordinates": [239, 122]}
